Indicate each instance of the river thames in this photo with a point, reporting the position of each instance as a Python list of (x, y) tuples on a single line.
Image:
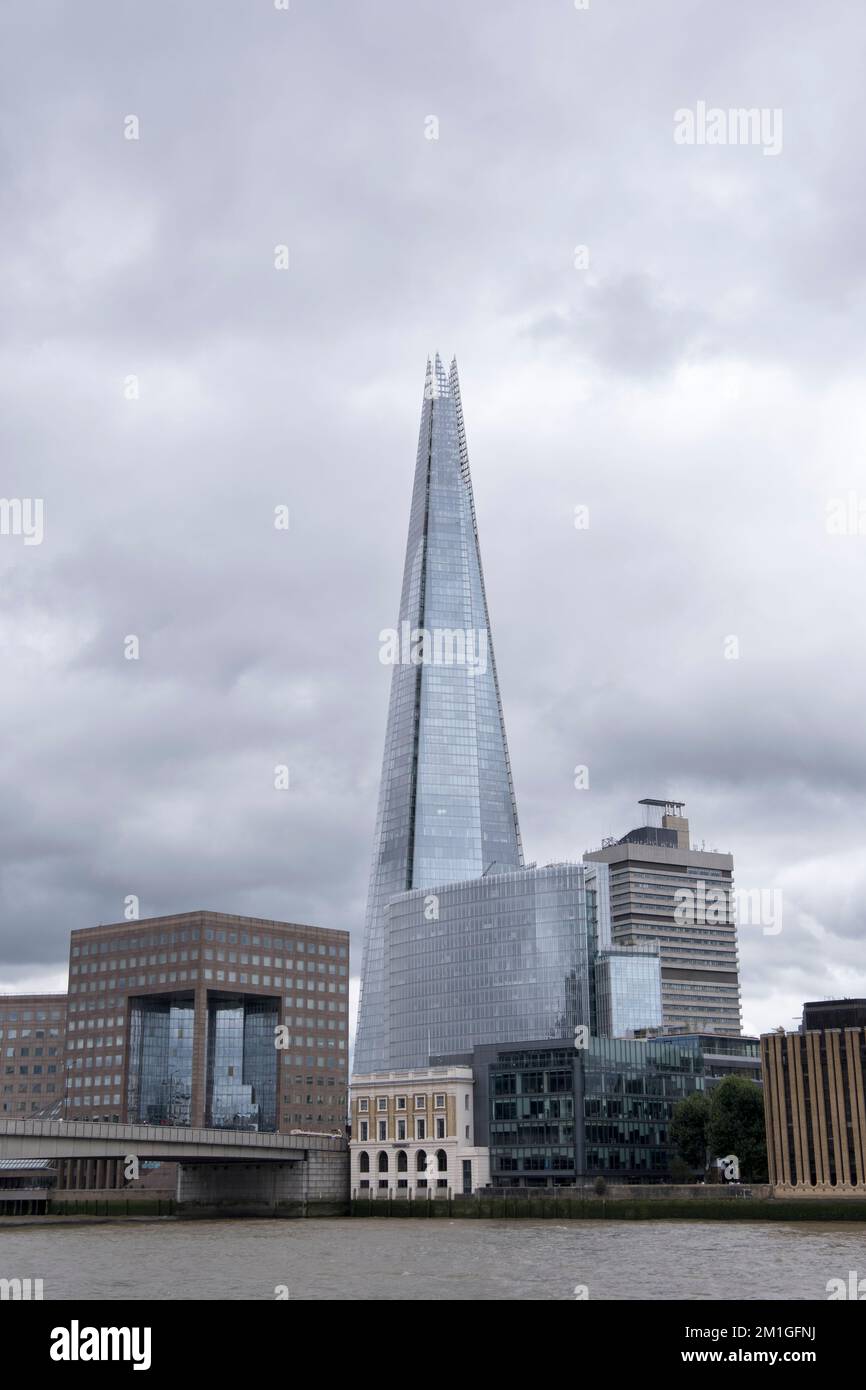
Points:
[(433, 1260)]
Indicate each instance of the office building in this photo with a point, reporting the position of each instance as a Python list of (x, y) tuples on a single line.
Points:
[(664, 893), (32, 1036), (174, 1020), (814, 1101), (491, 959), (737, 1055), (446, 803), (413, 1133), (554, 1116), (628, 990)]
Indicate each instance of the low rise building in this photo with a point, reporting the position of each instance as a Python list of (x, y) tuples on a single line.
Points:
[(413, 1133), (32, 1037), (814, 1101)]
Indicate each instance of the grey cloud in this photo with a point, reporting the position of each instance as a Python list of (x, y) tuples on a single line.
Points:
[(701, 393)]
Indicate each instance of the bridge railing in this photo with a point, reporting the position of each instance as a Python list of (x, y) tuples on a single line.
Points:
[(167, 1134)]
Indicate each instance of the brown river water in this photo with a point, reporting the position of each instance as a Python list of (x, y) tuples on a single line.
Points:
[(370, 1259)]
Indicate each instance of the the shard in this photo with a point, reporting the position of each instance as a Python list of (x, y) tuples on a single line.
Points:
[(446, 801)]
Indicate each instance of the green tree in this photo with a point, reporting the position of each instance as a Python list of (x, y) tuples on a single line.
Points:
[(689, 1125), (736, 1126)]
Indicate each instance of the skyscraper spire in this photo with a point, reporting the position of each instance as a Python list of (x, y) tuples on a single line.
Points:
[(446, 799)]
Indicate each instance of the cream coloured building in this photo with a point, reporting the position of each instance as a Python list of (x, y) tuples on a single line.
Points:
[(413, 1133)]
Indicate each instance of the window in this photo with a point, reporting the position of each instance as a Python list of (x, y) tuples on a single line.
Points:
[(364, 1131), (381, 1102), (420, 1128), (401, 1102), (440, 1126), (439, 1102), (420, 1102), (383, 1131), (401, 1130), (364, 1105)]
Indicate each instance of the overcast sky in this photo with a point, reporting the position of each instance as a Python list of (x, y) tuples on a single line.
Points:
[(698, 386)]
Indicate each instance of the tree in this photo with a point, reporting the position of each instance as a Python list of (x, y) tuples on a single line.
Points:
[(736, 1126), (680, 1170), (689, 1129)]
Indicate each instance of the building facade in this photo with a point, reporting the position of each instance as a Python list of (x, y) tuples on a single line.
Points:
[(554, 1116), (628, 990), (488, 960), (446, 802), (737, 1055), (413, 1134), (208, 1019), (664, 893), (814, 1101), (32, 1041)]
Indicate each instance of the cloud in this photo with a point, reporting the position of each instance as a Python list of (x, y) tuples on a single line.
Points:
[(699, 388)]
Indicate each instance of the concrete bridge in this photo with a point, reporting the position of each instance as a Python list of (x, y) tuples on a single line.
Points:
[(216, 1169)]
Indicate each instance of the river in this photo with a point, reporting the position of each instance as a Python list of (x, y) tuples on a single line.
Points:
[(413, 1260)]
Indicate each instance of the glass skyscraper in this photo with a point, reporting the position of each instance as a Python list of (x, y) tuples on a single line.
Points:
[(446, 801), (490, 960)]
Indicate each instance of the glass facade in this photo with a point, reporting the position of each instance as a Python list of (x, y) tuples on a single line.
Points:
[(241, 1087), (628, 1093), (491, 960), (628, 991), (446, 803), (563, 1115), (159, 1088)]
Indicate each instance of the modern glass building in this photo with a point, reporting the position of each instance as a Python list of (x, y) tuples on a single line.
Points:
[(628, 991), (488, 960), (446, 801), (241, 1063), (556, 1115), (159, 1077)]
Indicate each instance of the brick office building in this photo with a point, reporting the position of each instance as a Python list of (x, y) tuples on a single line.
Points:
[(32, 1031), (173, 1020)]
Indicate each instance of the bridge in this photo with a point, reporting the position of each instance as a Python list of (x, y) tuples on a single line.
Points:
[(216, 1167)]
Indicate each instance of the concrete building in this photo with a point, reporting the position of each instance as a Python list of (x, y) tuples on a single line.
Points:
[(413, 1133), (32, 1037), (814, 1101), (174, 1020), (665, 893)]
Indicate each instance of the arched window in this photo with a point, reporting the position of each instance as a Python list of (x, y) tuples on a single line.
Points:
[(442, 1161), (402, 1162), (421, 1161), (383, 1162), (364, 1162)]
